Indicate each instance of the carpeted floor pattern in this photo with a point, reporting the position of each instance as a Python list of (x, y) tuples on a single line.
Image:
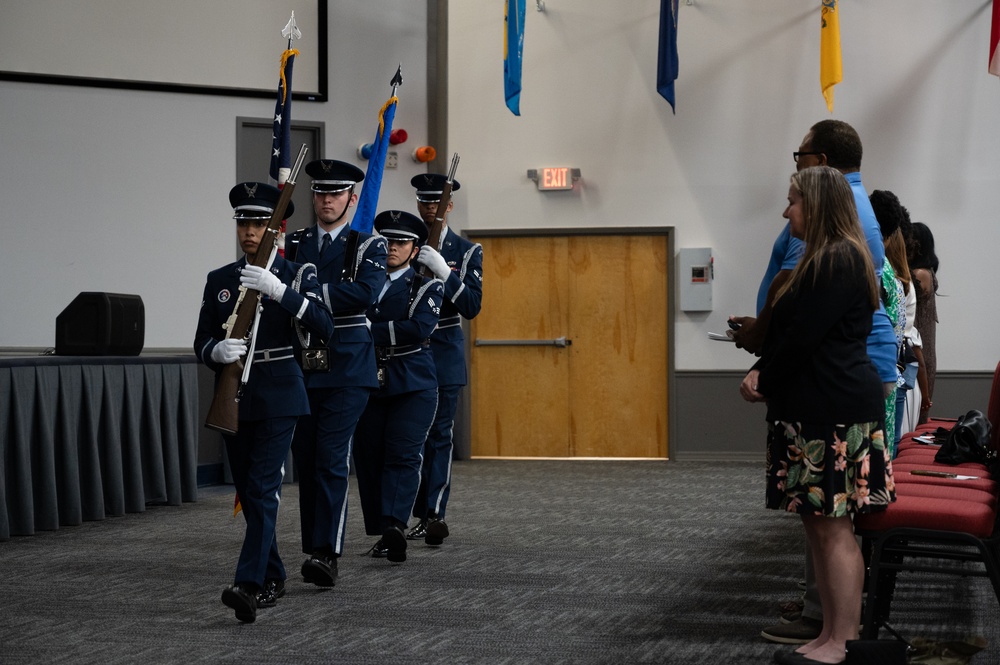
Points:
[(548, 562)]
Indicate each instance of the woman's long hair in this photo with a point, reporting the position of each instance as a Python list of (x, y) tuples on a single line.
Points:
[(832, 232), (895, 251)]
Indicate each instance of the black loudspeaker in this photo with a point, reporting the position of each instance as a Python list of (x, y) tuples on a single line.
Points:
[(101, 324)]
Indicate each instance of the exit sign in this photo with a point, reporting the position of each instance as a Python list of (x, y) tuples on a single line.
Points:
[(554, 177)]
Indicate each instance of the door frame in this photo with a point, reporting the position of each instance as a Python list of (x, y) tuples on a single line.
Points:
[(463, 420), (315, 133)]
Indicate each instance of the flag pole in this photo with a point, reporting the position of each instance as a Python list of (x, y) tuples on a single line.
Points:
[(278, 169)]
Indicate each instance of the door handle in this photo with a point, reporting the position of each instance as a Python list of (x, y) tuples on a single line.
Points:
[(561, 342)]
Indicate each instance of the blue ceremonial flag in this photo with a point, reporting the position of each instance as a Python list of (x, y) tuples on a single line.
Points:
[(513, 50), (281, 134), (364, 216), (666, 65)]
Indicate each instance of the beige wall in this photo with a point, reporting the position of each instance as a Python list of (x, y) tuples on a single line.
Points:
[(915, 86), (124, 191)]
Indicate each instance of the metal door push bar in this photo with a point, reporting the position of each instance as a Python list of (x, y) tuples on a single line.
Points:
[(561, 342)]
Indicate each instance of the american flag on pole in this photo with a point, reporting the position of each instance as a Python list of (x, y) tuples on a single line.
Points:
[(281, 134), (281, 140)]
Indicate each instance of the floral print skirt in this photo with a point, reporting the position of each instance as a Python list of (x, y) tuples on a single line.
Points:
[(831, 470)]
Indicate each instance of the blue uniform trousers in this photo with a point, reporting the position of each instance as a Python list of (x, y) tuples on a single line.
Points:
[(322, 453), (388, 455), (435, 481), (257, 455)]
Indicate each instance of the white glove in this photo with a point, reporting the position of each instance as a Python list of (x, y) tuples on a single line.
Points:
[(431, 258), (255, 277), (229, 351)]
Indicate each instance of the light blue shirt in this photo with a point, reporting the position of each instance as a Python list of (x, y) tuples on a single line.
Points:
[(882, 347), (785, 255)]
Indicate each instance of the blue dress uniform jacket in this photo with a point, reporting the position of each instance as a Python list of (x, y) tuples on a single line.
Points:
[(322, 445), (401, 330), (352, 358), (391, 432), (272, 400), (275, 387), (463, 297)]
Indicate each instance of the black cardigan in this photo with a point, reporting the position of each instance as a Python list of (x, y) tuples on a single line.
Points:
[(814, 366)]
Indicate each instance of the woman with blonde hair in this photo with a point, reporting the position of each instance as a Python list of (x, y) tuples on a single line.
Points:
[(826, 457)]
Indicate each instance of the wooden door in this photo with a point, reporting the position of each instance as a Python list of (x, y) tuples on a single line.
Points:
[(600, 393)]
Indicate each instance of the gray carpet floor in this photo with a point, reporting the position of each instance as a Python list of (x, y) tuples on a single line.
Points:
[(548, 562)]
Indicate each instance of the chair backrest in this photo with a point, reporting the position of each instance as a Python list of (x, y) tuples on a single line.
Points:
[(993, 409)]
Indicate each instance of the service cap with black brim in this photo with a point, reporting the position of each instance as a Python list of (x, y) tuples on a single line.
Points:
[(430, 186), (330, 176), (401, 225), (256, 200)]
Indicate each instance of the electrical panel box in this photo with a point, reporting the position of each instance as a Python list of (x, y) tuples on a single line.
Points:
[(695, 279)]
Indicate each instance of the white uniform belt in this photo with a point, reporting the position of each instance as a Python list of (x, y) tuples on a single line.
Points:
[(270, 355), (352, 321)]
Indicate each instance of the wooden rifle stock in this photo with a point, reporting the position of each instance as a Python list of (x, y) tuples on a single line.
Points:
[(223, 414), (437, 226)]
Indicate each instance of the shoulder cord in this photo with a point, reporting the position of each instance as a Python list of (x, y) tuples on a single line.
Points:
[(466, 259), (304, 337), (415, 299)]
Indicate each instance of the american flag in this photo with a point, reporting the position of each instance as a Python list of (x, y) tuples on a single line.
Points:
[(281, 135)]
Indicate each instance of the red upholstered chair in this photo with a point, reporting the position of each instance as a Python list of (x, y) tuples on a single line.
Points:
[(934, 522), (933, 513), (964, 494), (992, 414), (903, 477)]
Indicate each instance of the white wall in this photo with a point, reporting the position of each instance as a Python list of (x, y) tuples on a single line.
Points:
[(915, 87), (127, 191), (123, 191)]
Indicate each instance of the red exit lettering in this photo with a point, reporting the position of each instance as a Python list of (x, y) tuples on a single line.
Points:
[(555, 178)]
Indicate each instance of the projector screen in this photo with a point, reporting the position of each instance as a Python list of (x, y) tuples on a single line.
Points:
[(222, 47)]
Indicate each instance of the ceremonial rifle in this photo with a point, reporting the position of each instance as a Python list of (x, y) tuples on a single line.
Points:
[(437, 226), (223, 415)]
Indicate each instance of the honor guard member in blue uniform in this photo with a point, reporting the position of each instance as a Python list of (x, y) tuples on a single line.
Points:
[(340, 375), (274, 395), (459, 264), (390, 437)]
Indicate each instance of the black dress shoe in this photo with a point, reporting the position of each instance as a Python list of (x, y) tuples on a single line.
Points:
[(437, 531), (379, 550), (272, 591), (418, 532), (320, 569), (394, 541), (242, 600)]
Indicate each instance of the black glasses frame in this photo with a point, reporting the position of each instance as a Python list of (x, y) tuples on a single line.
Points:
[(799, 153)]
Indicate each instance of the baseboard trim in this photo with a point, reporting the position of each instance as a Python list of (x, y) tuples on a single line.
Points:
[(209, 474)]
